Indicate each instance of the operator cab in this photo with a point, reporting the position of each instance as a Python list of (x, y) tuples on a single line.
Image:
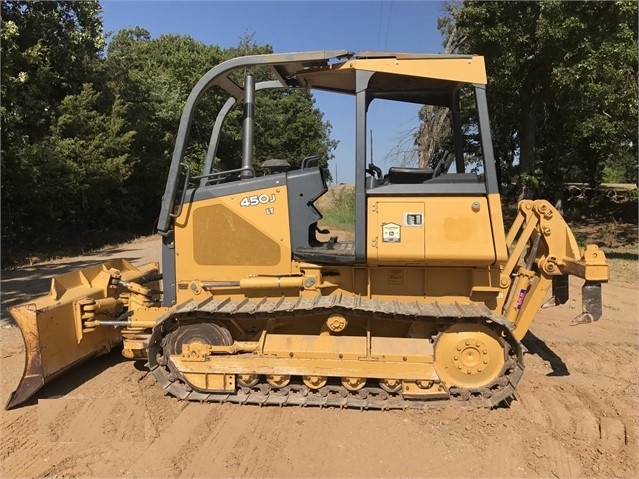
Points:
[(425, 208)]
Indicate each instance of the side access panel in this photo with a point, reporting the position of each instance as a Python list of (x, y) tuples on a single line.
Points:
[(233, 236), (450, 231)]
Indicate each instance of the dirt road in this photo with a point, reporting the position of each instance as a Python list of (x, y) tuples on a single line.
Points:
[(576, 414)]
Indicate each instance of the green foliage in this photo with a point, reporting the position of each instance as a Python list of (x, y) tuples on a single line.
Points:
[(92, 148), (88, 135), (562, 87), (153, 78), (76, 175), (287, 124), (300, 129), (49, 50)]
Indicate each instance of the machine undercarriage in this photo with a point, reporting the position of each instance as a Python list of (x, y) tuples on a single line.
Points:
[(336, 351)]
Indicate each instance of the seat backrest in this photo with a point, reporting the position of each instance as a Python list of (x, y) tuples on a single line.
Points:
[(400, 175)]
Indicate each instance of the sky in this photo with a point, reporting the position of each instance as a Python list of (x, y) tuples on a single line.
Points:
[(289, 26)]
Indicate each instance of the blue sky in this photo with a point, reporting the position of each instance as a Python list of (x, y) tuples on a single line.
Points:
[(305, 25)]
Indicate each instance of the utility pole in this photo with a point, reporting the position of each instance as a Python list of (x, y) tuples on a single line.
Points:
[(372, 162)]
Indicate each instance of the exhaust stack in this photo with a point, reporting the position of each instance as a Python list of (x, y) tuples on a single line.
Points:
[(247, 137)]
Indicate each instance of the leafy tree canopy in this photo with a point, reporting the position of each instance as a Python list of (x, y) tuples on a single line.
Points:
[(562, 86), (88, 131), (49, 51)]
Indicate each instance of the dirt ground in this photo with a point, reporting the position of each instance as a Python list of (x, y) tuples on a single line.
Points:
[(576, 413)]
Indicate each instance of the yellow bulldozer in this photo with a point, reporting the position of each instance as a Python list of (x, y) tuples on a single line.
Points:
[(426, 306)]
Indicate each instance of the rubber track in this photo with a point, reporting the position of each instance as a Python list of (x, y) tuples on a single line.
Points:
[(498, 392)]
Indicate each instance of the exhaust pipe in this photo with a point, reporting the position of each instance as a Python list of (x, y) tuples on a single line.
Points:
[(247, 138)]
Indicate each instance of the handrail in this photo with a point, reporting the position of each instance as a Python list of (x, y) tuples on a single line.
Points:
[(187, 178), (220, 173), (309, 159)]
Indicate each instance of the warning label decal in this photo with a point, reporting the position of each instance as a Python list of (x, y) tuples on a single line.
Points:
[(391, 233)]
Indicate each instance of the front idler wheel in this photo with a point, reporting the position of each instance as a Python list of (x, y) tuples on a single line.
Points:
[(469, 356)]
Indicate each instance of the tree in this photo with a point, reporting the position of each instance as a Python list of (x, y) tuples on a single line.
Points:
[(562, 87), (291, 128), (92, 151), (87, 138), (49, 50), (287, 124), (155, 76), (435, 129)]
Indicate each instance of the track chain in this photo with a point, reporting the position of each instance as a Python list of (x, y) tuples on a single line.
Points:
[(498, 392)]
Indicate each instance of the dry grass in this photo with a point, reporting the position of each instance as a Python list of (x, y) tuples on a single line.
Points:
[(338, 207), (624, 264)]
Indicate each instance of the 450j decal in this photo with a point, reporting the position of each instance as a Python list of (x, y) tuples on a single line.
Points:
[(255, 200)]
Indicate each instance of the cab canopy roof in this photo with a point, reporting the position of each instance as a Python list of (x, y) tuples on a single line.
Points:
[(412, 77)]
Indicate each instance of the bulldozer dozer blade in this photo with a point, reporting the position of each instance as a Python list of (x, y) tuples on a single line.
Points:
[(54, 337)]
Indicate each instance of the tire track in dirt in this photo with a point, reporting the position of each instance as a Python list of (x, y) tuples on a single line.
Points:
[(227, 436), (576, 416), (100, 418), (20, 432), (554, 427), (158, 457), (249, 457), (577, 432), (160, 409)]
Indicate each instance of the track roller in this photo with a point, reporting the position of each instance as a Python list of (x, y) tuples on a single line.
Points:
[(278, 380), (390, 385), (353, 384), (315, 382), (248, 380)]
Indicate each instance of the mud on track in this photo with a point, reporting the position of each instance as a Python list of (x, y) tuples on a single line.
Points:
[(575, 414)]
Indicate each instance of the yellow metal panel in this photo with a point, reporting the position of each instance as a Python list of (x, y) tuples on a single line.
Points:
[(341, 77), (402, 349), (249, 234), (244, 244), (391, 236), (256, 364), (456, 231), (349, 347), (211, 382), (467, 70), (397, 282)]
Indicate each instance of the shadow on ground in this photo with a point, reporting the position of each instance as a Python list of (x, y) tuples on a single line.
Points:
[(541, 349), (77, 376)]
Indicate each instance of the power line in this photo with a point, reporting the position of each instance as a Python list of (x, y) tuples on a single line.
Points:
[(390, 12), (379, 29)]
